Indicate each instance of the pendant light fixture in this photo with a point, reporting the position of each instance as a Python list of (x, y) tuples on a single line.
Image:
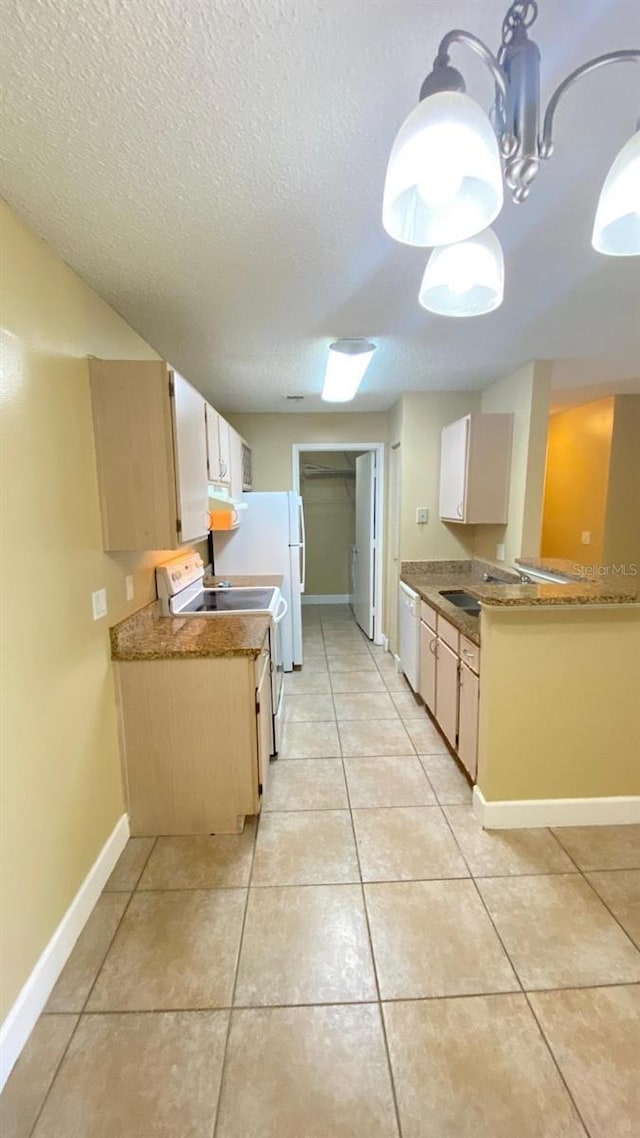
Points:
[(444, 181), (465, 279), (348, 360)]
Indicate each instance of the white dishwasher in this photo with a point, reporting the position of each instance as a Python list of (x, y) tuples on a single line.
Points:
[(409, 604)]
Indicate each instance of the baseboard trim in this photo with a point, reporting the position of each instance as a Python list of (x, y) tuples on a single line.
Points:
[(326, 599), (34, 994), (529, 813)]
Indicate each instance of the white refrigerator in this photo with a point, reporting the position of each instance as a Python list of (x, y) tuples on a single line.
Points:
[(269, 541)]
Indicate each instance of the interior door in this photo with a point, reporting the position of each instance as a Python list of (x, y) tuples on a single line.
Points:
[(365, 550)]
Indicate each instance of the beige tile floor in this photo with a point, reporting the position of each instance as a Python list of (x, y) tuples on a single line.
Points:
[(365, 962)]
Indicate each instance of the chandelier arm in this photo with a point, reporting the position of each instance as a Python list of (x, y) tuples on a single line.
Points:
[(545, 148), (480, 48)]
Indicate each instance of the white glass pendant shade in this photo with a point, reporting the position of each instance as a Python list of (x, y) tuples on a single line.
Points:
[(465, 279), (616, 229), (444, 178), (348, 360)]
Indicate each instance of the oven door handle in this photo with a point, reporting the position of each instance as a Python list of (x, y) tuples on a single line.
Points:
[(281, 612)]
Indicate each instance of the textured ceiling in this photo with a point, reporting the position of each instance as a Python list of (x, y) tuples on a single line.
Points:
[(214, 168)]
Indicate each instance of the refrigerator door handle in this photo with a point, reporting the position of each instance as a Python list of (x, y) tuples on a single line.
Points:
[(304, 552)]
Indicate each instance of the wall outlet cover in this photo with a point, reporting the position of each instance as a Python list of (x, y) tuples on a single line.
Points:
[(500, 552), (585, 537), (99, 603), (128, 586), (422, 515)]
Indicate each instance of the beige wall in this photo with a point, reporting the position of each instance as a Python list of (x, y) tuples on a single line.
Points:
[(61, 788), (525, 393), (622, 530), (330, 522), (577, 481), (561, 722), (271, 437)]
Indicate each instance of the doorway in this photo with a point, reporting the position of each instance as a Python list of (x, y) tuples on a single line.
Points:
[(342, 488)]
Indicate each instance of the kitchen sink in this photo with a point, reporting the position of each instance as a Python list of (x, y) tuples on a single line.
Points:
[(462, 600)]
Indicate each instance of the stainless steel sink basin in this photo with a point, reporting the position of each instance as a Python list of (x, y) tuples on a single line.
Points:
[(462, 600)]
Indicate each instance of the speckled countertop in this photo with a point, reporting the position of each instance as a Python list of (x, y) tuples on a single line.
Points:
[(147, 635), (428, 578)]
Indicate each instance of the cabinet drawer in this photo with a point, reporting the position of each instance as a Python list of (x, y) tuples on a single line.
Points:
[(428, 615), (470, 654), (449, 633)]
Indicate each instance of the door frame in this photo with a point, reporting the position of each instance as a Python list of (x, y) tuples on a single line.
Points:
[(379, 546)]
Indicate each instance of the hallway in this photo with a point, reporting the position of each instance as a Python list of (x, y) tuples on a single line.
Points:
[(366, 962)]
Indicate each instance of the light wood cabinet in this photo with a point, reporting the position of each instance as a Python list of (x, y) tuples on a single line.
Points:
[(447, 690), (217, 447), (151, 452), (469, 697), (428, 641), (475, 469), (196, 737)]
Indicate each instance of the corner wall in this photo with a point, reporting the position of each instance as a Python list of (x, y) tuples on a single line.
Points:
[(61, 784)]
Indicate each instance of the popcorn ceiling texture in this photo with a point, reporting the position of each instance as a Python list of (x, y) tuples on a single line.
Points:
[(214, 168)]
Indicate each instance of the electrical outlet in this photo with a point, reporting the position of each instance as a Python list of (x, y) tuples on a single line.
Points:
[(422, 516), (128, 586), (500, 552), (585, 537), (99, 603)]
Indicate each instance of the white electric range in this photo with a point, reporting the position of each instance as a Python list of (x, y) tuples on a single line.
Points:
[(182, 593)]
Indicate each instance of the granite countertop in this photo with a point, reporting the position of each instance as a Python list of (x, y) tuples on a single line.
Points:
[(428, 578), (147, 635)]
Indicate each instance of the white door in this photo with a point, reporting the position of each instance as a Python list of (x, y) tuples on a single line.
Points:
[(365, 551), (190, 440), (453, 470)]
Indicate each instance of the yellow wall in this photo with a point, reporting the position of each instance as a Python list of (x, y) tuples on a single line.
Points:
[(525, 394), (61, 788), (575, 497), (559, 709), (330, 522)]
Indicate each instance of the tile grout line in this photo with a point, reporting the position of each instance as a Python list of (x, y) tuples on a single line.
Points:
[(583, 873), (223, 1067), (370, 939), (82, 1011)]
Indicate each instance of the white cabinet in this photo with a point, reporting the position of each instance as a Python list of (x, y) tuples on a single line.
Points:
[(469, 696), (428, 641), (447, 691), (191, 459), (475, 469), (217, 447), (235, 464)]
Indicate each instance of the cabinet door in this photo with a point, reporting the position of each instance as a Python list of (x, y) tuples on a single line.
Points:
[(224, 432), (453, 470), (264, 724), (213, 444), (235, 464), (468, 720), (447, 691), (428, 641), (190, 441)]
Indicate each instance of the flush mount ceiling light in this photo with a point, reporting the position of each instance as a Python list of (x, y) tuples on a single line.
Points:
[(449, 161), (465, 279), (348, 360)]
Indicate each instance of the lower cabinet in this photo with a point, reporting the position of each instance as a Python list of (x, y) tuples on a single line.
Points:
[(447, 691), (428, 641), (196, 737), (469, 692)]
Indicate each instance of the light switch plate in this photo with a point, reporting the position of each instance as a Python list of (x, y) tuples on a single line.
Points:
[(422, 516), (99, 603), (585, 537), (128, 586)]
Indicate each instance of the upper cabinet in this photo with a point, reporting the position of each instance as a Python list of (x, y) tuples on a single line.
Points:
[(149, 427), (218, 431), (475, 467)]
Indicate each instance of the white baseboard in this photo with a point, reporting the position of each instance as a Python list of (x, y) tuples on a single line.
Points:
[(528, 813), (326, 599), (22, 1018)]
